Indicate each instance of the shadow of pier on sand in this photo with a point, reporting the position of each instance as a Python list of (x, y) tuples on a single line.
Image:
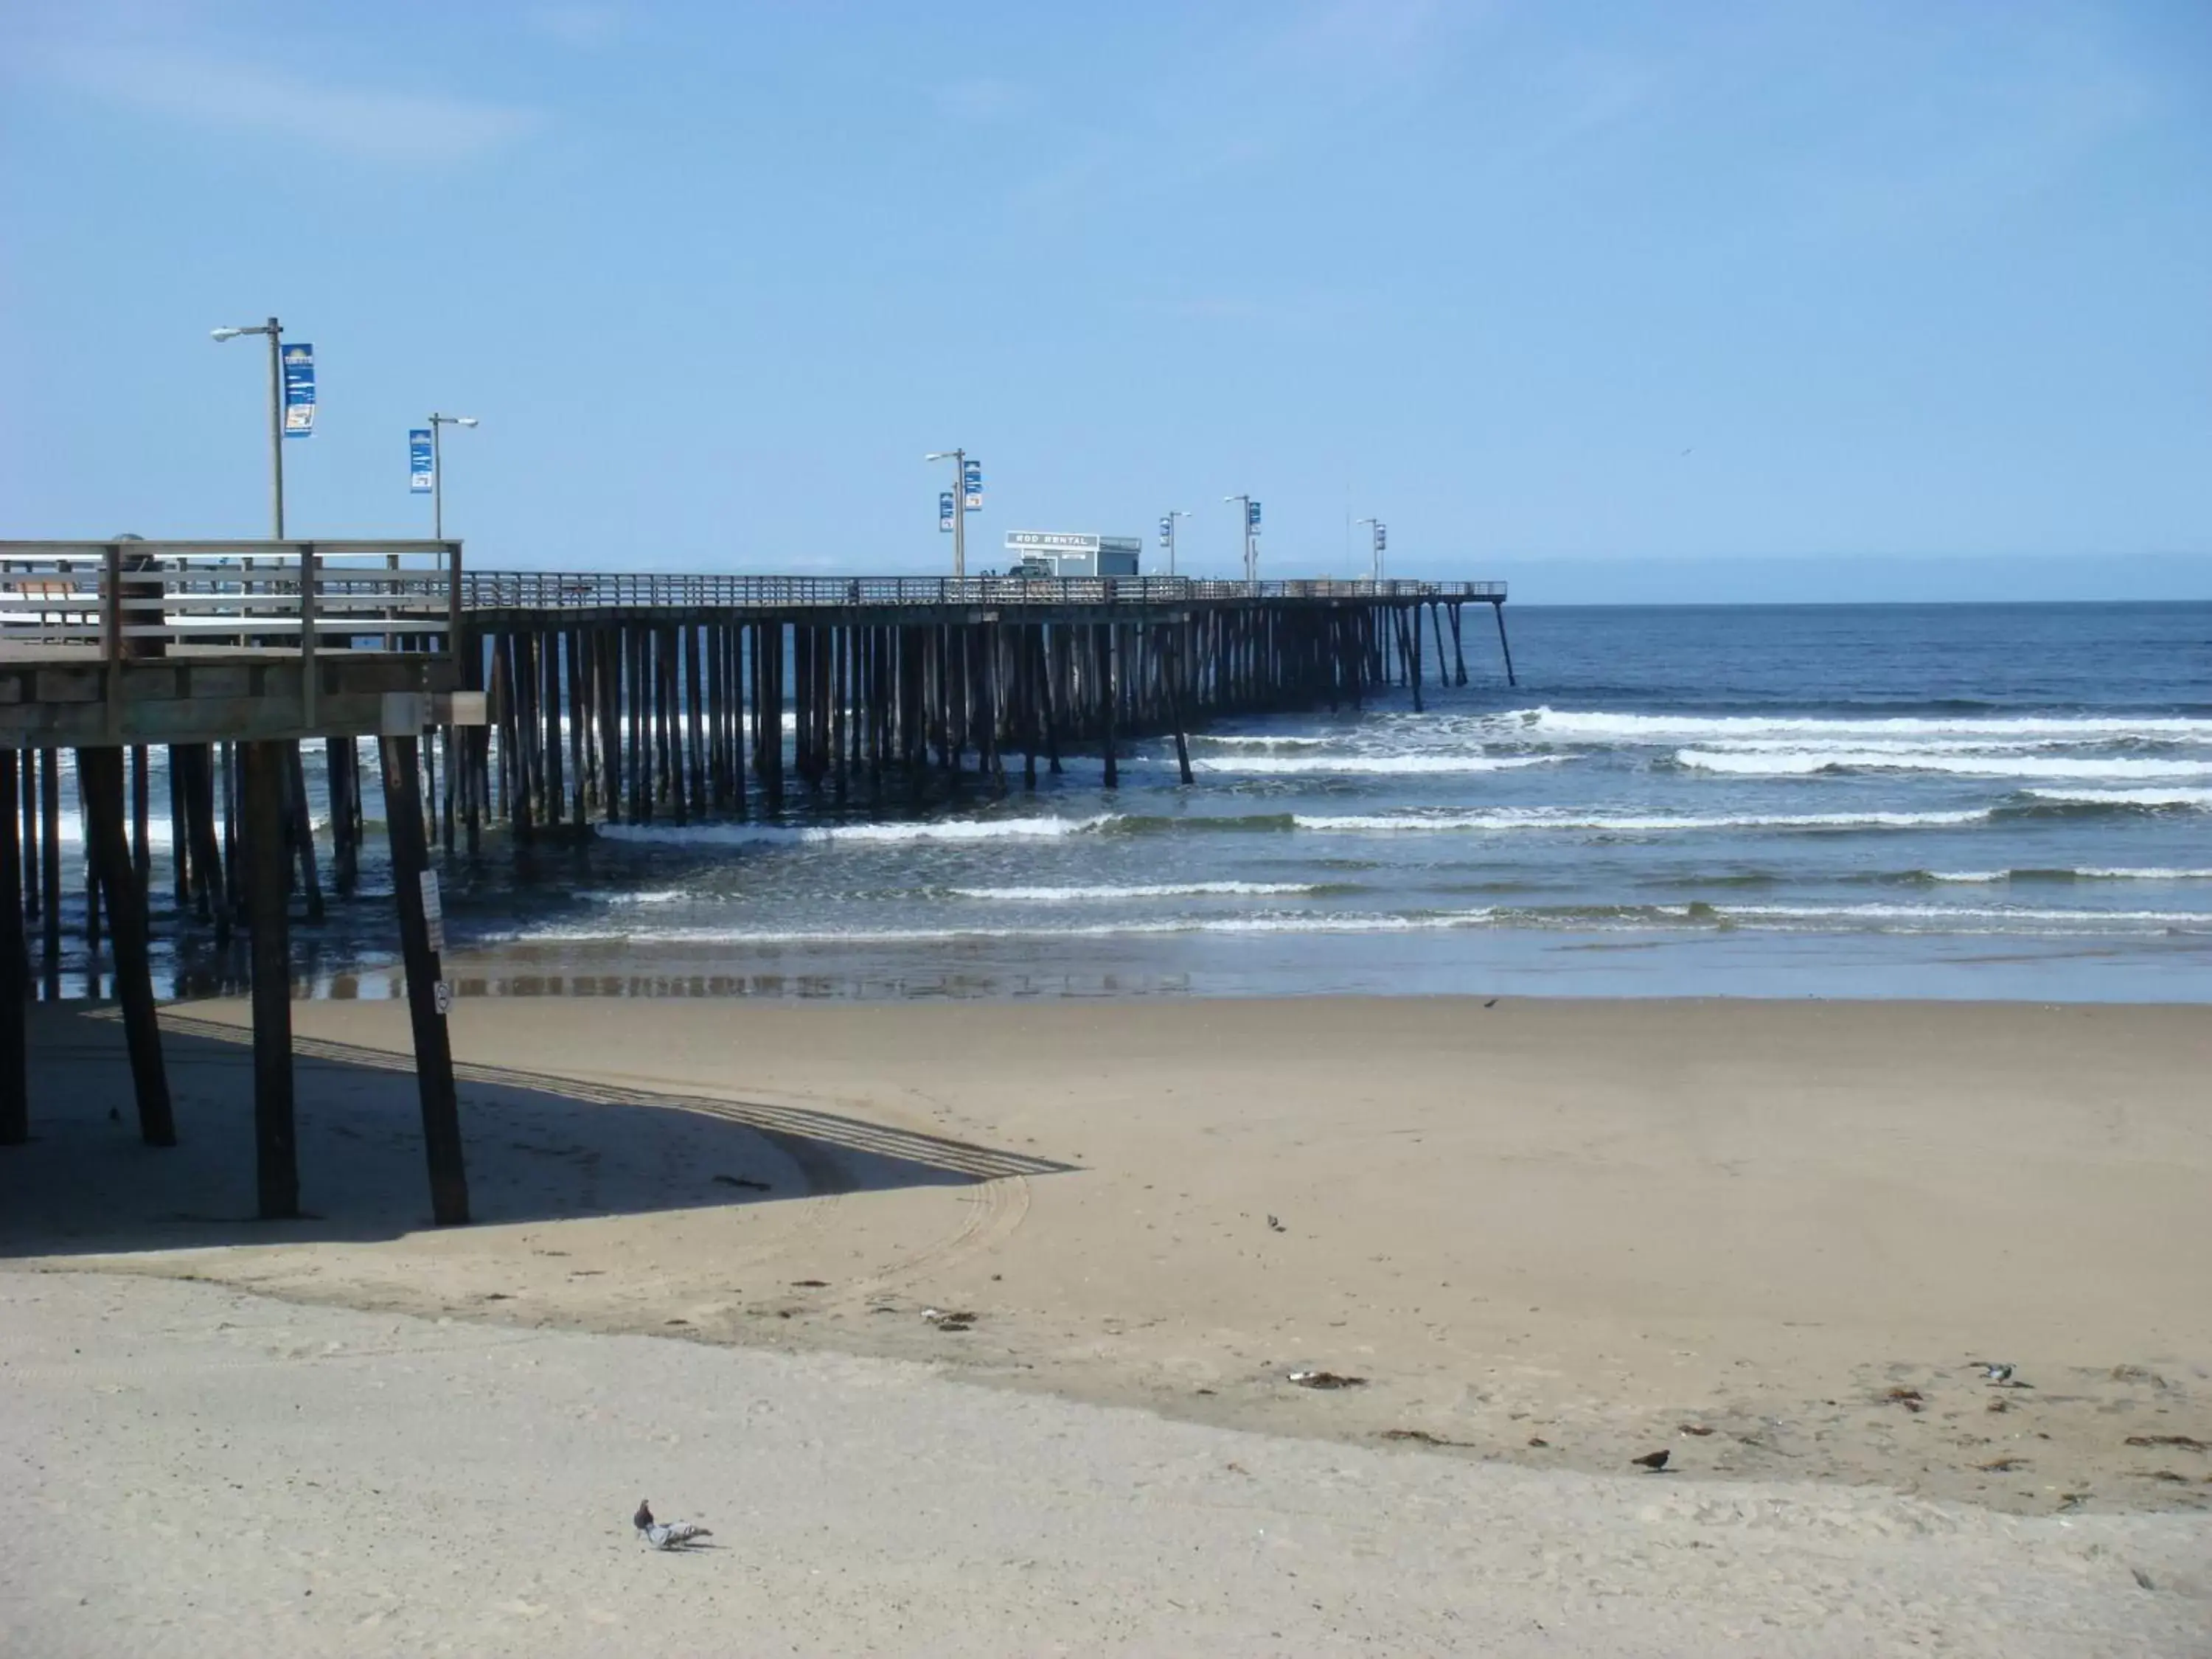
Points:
[(540, 1147)]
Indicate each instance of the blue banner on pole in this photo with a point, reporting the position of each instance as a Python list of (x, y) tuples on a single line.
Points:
[(1252, 515), (1382, 537), (944, 509), (1167, 531), (419, 475), (299, 361), (971, 485)]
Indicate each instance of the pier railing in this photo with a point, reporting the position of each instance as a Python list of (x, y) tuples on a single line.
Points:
[(542, 590), (140, 599)]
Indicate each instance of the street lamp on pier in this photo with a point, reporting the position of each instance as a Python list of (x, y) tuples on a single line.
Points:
[(1381, 540), (967, 497), (1168, 533), (275, 331), (437, 424), (1251, 507)]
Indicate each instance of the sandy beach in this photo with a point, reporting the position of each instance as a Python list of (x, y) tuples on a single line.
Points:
[(1549, 1236)]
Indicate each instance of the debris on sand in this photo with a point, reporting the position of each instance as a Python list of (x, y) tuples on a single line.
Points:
[(1326, 1380), (1422, 1437), (2186, 1442), (1700, 1429), (1908, 1398), (947, 1319)]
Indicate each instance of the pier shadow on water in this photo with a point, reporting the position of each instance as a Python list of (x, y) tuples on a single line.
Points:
[(540, 1147)]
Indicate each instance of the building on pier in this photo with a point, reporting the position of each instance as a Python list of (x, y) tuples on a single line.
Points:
[(1058, 553)]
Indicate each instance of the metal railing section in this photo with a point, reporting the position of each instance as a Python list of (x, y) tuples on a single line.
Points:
[(541, 590)]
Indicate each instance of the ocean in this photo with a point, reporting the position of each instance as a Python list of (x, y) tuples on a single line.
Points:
[(1968, 801)]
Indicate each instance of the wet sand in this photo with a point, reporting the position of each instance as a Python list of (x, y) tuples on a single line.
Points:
[(1771, 1238)]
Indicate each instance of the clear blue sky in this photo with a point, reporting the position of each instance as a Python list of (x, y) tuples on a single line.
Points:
[(1560, 290)]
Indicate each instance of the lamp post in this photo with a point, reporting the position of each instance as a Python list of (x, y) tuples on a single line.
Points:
[(1381, 540), (1251, 509), (437, 424), (962, 496), (1168, 533), (275, 331)]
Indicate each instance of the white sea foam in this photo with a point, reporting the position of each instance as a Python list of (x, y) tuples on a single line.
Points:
[(1376, 765), (745, 835), (1165, 889), (1231, 740), (2091, 873), (1959, 913), (1293, 922), (2145, 875), (1627, 824), (1607, 727), (2200, 799), (1804, 762)]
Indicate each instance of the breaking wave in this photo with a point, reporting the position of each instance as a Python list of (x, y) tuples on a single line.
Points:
[(1802, 762)]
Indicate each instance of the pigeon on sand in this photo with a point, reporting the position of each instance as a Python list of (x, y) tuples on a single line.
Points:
[(664, 1534)]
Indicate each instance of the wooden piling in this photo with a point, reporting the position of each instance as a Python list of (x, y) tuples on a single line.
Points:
[(91, 851), (299, 830), (341, 784), (50, 848), (15, 968), (142, 819), (266, 852), (433, 1055), (192, 776), (30, 818), (108, 850)]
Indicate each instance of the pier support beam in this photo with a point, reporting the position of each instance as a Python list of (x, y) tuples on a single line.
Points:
[(434, 1053), (50, 848), (300, 828), (14, 970), (1498, 611), (100, 772), (266, 851)]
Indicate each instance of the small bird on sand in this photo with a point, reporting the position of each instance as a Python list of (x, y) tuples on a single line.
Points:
[(664, 1534), (1273, 1225), (1996, 1372), (1654, 1461)]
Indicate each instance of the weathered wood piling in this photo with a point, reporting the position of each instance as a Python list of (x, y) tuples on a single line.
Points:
[(669, 699)]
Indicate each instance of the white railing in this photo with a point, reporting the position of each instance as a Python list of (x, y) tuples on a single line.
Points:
[(139, 599)]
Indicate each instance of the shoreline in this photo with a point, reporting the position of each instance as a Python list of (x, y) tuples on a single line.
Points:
[(1603, 1226)]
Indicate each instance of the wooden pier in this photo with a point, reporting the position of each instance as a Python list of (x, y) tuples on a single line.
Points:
[(628, 698), (542, 702)]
